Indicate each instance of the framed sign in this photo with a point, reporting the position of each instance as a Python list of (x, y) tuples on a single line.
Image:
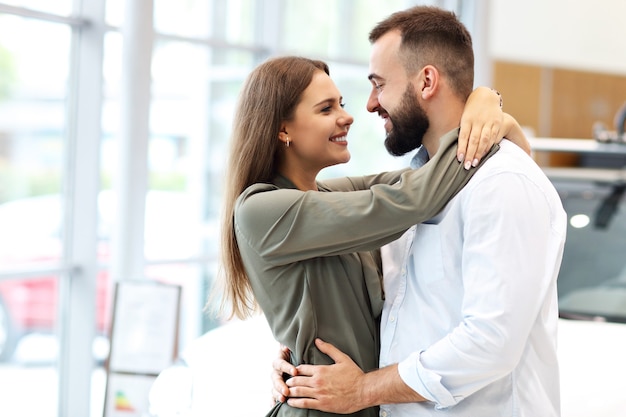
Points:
[(144, 341), (127, 395)]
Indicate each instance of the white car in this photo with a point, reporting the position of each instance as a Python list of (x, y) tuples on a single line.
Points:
[(226, 371)]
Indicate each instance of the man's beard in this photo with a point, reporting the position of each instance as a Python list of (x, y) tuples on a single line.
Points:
[(409, 124)]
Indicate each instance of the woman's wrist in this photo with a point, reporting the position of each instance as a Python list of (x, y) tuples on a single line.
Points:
[(499, 96)]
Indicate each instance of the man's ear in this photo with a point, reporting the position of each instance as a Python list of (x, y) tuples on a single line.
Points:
[(428, 81)]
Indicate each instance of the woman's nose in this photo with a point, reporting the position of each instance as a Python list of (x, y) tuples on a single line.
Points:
[(346, 119)]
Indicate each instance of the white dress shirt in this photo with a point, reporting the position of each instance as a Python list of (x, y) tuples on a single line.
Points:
[(471, 307)]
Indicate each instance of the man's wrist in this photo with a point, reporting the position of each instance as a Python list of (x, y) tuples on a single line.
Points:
[(385, 386), (368, 390)]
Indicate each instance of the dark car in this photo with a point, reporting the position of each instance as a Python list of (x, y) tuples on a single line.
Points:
[(592, 280)]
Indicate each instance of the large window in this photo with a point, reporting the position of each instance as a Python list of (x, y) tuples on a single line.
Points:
[(33, 146), (112, 162)]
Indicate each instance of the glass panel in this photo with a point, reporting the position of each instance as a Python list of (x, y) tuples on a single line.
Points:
[(104, 305), (32, 145), (321, 18), (112, 75), (27, 307), (98, 390), (31, 232), (114, 12), (237, 21), (28, 346), (194, 93), (231, 20), (592, 279), (60, 7), (333, 28)]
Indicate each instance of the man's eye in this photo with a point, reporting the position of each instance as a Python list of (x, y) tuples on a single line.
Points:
[(342, 105), (378, 87)]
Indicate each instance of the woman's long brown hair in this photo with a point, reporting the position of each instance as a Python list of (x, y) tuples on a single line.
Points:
[(269, 96)]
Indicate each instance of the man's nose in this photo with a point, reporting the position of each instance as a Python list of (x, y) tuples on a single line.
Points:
[(372, 102)]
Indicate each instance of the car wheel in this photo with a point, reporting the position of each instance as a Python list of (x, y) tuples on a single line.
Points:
[(8, 335)]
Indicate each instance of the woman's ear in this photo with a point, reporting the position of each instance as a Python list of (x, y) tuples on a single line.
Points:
[(283, 136)]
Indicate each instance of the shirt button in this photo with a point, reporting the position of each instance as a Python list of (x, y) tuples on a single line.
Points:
[(392, 318), (383, 414)]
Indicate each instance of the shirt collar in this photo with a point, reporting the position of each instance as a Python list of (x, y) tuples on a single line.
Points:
[(420, 157)]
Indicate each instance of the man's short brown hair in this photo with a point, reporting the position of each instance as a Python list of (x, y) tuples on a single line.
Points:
[(433, 36)]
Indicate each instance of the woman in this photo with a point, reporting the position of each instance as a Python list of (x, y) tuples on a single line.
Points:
[(308, 256)]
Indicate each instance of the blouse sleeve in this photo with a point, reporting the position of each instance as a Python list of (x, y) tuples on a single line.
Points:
[(287, 225), (360, 183)]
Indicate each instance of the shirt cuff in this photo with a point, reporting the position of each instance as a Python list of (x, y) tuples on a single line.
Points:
[(425, 382)]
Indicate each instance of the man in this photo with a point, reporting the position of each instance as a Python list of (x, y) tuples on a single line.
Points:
[(470, 315)]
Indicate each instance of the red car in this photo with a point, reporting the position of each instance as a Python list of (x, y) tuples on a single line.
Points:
[(30, 240)]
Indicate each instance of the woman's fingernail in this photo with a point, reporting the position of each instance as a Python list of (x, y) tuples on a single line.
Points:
[(468, 165), (475, 162), (460, 157)]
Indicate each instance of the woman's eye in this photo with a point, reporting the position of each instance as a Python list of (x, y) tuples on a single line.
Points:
[(332, 107), (378, 87)]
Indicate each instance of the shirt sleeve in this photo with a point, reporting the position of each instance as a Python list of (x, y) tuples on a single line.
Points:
[(507, 267), (287, 225)]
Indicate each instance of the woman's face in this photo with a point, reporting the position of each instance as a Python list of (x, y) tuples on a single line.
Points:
[(318, 131)]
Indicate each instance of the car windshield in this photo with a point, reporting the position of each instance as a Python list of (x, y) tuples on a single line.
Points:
[(592, 279)]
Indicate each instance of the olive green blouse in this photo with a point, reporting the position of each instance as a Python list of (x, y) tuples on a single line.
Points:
[(312, 256)]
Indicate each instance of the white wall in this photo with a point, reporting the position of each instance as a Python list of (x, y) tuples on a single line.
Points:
[(587, 35)]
